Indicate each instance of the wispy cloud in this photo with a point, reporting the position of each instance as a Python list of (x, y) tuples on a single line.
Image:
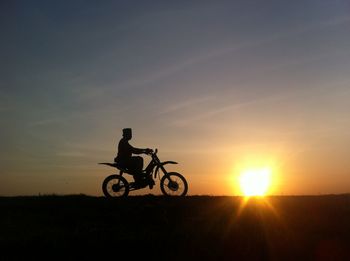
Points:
[(47, 121), (4, 108), (223, 109), (186, 104), (234, 47), (70, 154), (336, 20)]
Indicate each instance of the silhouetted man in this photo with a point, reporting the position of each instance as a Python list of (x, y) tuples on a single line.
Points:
[(134, 164)]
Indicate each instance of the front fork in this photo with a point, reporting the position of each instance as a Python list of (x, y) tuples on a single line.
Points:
[(171, 182), (161, 167), (120, 174)]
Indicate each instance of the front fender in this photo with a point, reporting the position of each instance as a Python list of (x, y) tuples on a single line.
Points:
[(168, 162), (162, 164)]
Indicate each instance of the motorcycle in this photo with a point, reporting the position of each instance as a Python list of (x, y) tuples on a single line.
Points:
[(171, 183)]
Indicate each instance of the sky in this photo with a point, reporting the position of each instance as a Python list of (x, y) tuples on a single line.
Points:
[(218, 86)]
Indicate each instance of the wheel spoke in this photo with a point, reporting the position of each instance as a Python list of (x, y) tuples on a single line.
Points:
[(174, 184), (115, 186)]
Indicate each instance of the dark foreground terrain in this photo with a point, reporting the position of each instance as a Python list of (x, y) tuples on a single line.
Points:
[(190, 228)]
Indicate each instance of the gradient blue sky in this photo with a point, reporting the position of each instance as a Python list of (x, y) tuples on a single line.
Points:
[(216, 85)]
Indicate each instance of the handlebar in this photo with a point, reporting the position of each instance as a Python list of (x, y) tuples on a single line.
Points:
[(153, 152)]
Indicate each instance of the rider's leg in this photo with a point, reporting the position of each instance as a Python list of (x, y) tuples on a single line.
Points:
[(137, 166)]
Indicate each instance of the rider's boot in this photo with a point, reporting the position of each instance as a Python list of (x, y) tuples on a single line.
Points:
[(150, 181), (151, 184)]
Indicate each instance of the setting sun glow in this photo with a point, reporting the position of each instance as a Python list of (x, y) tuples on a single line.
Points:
[(255, 182)]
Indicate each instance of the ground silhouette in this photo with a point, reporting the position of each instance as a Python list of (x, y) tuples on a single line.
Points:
[(175, 228)]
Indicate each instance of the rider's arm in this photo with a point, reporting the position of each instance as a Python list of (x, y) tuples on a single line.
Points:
[(138, 150)]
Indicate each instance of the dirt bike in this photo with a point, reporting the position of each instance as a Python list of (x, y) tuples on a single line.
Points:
[(171, 183)]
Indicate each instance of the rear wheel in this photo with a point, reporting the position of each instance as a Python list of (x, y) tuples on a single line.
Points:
[(173, 184), (115, 186)]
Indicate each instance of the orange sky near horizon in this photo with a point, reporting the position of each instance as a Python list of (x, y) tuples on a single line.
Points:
[(218, 86)]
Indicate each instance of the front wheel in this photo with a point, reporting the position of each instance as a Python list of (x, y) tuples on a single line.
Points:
[(173, 184), (115, 186)]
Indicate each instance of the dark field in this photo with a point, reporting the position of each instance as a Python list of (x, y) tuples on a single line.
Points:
[(190, 228)]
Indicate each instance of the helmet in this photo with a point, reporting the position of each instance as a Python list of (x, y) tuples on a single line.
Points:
[(127, 132)]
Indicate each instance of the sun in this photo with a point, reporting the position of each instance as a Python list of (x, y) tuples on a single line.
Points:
[(255, 182)]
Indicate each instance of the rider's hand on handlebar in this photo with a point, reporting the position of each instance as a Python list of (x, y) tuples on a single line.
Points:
[(148, 151)]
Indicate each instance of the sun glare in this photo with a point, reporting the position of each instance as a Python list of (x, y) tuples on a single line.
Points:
[(255, 182)]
